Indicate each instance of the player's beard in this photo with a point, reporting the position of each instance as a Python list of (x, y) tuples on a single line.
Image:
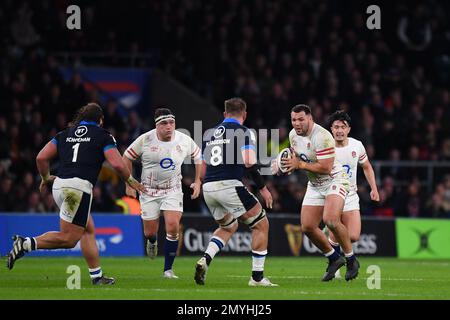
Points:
[(302, 130)]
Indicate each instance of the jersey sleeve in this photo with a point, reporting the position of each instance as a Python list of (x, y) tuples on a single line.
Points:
[(56, 140), (134, 151), (249, 140), (109, 142), (362, 154), (195, 151), (324, 146)]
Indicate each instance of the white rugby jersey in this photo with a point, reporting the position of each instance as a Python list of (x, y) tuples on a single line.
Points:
[(162, 160), (318, 145), (350, 156)]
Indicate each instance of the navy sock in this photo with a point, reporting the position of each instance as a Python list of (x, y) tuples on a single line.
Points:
[(152, 239), (170, 251), (337, 248), (350, 259), (257, 275), (334, 256), (208, 258)]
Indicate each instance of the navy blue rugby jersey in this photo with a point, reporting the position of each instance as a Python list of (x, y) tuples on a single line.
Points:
[(81, 151), (222, 150)]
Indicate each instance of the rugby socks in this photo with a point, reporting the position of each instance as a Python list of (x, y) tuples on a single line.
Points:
[(95, 273), (335, 246), (350, 257), (332, 255), (170, 251), (152, 239), (215, 245), (30, 244), (258, 259)]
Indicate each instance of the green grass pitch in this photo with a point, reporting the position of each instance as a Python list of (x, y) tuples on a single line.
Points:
[(299, 279)]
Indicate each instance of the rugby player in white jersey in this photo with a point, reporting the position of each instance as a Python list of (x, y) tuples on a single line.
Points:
[(351, 153), (327, 189), (161, 152)]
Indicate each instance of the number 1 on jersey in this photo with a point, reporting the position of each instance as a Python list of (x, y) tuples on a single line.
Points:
[(75, 152)]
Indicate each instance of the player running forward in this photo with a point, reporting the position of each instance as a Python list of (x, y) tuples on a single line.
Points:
[(326, 192), (81, 150), (161, 152), (351, 152), (230, 152)]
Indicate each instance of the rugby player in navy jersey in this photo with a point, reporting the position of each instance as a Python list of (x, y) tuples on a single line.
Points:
[(229, 154), (81, 150)]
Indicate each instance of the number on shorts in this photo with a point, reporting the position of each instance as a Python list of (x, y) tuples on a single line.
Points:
[(216, 156)]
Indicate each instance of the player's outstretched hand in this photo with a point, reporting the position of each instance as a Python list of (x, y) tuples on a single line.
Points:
[(267, 196), (374, 195), (196, 186), (45, 182)]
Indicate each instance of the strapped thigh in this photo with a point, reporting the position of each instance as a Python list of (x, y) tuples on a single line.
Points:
[(253, 221)]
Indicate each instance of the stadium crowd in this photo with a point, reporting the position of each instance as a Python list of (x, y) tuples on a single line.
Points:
[(393, 82)]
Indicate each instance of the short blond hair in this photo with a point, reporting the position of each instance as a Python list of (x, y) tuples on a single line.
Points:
[(235, 106)]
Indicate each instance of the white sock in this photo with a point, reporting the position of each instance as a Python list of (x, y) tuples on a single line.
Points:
[(96, 272), (258, 259), (348, 255), (334, 244), (27, 246), (329, 253), (215, 245)]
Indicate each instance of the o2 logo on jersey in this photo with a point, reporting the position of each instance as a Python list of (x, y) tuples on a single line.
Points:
[(304, 158), (81, 131), (219, 132), (347, 170), (167, 163)]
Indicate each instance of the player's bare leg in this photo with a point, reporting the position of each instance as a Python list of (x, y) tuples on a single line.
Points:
[(151, 234), (257, 221), (172, 224), (91, 255), (332, 218), (310, 220), (227, 227), (66, 238), (352, 221), (89, 246)]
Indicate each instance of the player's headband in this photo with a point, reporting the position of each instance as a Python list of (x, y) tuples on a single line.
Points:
[(164, 117)]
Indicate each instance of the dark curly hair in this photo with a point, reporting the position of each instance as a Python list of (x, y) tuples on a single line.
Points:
[(90, 112), (339, 115)]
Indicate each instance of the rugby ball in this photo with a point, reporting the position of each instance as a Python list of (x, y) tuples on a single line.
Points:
[(286, 153)]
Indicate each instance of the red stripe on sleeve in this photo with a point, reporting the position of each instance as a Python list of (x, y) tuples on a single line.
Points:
[(132, 153), (324, 150)]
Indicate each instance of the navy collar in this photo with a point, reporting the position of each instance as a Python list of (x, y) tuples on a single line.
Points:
[(233, 120), (92, 123)]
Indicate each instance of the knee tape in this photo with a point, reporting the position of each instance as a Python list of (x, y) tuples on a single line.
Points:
[(253, 221), (229, 223)]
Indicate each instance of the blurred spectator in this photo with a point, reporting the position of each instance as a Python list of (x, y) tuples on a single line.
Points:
[(273, 54), (410, 203), (35, 204)]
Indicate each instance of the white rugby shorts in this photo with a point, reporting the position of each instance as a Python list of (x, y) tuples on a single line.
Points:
[(228, 196), (74, 198)]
